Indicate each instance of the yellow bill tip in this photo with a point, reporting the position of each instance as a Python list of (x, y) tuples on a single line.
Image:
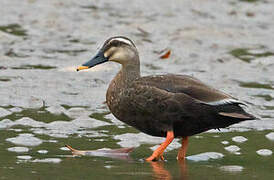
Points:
[(81, 68)]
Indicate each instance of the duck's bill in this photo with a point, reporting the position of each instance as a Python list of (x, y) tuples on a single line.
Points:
[(98, 59)]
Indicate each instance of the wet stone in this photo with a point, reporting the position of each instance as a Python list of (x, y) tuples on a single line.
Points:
[(4, 112), (205, 156), (239, 139), (18, 149), (25, 139), (264, 152)]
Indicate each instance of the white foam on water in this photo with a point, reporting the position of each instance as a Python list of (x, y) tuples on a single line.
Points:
[(47, 160), (126, 140), (77, 112), (56, 109), (114, 120), (239, 139), (264, 152), (205, 156), (6, 123), (16, 109), (232, 168), (259, 125), (170, 147), (4, 112), (108, 166), (225, 142), (64, 148), (24, 157), (18, 149), (270, 136), (42, 151), (26, 121), (25, 139), (232, 148), (89, 122)]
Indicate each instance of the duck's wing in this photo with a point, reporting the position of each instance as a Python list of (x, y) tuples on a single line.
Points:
[(193, 89), (190, 86)]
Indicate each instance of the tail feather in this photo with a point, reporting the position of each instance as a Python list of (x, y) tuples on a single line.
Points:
[(242, 116)]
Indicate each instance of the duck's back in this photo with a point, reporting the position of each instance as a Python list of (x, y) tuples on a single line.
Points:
[(156, 104)]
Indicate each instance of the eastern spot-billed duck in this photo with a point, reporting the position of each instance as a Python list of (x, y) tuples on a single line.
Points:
[(169, 105)]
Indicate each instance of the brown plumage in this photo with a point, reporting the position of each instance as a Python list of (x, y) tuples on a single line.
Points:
[(163, 105)]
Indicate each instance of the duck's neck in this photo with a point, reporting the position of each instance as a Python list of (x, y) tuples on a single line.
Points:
[(129, 73)]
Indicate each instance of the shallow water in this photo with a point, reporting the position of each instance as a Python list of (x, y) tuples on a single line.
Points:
[(45, 103)]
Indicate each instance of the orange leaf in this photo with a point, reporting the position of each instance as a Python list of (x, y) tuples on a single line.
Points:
[(166, 54)]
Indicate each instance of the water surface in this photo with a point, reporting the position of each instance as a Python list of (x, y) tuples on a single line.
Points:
[(45, 103)]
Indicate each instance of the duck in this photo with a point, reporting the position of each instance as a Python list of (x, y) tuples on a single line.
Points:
[(168, 105)]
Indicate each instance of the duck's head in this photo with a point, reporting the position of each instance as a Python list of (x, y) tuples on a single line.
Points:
[(118, 49)]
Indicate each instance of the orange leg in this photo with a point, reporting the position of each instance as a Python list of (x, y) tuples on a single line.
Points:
[(158, 153), (182, 151)]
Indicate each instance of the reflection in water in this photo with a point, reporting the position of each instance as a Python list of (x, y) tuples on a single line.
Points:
[(162, 174), (159, 171)]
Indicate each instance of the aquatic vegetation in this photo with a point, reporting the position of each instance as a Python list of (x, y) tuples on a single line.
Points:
[(39, 66), (256, 85), (246, 56), (250, 1), (14, 29)]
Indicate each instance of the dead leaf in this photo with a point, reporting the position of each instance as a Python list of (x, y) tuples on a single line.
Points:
[(166, 54)]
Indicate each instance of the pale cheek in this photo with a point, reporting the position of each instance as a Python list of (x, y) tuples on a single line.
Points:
[(118, 56)]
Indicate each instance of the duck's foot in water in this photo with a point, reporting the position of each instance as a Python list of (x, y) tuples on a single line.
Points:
[(158, 153)]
